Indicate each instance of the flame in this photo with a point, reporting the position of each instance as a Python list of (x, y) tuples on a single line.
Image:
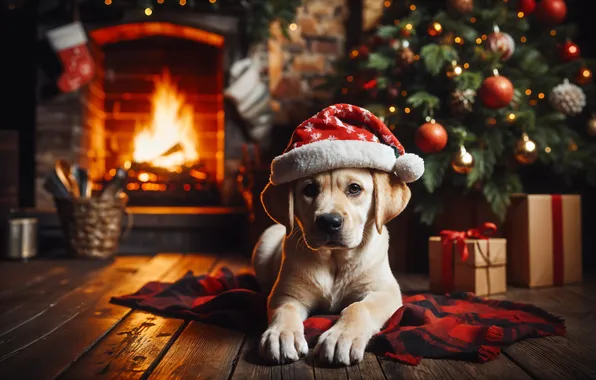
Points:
[(171, 125)]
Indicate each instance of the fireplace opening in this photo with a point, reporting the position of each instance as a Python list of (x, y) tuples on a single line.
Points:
[(156, 108)]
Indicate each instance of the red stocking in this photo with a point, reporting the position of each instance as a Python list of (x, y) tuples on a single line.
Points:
[(70, 43)]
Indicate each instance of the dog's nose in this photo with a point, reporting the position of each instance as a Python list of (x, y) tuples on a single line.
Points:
[(329, 223)]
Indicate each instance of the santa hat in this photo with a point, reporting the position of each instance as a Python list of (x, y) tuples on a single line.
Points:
[(344, 136)]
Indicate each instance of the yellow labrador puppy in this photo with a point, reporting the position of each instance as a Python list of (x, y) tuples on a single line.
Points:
[(341, 179), (333, 260)]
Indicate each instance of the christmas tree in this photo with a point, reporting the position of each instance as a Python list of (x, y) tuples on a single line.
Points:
[(481, 89)]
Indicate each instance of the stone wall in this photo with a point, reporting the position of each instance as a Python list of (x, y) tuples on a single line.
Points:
[(298, 64)]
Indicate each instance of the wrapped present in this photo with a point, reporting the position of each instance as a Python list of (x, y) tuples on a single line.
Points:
[(470, 261), (544, 240)]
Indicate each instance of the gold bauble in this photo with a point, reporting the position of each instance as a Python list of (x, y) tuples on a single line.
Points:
[(462, 161), (591, 127), (526, 150)]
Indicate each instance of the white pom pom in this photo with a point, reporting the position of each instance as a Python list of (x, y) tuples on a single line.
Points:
[(409, 167)]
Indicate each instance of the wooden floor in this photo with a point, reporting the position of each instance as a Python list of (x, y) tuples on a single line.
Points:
[(56, 322)]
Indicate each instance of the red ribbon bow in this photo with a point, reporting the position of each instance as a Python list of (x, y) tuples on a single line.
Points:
[(449, 238)]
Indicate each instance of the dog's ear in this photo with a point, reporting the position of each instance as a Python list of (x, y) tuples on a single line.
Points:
[(278, 202), (391, 198)]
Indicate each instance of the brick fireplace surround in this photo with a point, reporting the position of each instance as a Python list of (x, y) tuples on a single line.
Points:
[(95, 125)]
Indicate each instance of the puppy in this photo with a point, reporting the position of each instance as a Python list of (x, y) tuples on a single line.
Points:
[(328, 254)]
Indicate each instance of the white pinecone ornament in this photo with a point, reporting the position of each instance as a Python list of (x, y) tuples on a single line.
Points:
[(568, 98)]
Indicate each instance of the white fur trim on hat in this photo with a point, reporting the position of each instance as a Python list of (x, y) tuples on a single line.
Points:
[(409, 167), (326, 155)]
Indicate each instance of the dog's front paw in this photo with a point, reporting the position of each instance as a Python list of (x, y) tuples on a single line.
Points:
[(342, 345), (280, 345)]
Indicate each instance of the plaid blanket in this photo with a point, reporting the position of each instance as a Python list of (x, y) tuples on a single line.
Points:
[(452, 326)]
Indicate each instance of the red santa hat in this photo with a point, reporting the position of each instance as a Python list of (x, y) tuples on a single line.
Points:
[(344, 136)]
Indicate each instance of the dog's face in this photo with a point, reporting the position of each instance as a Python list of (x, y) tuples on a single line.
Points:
[(336, 209)]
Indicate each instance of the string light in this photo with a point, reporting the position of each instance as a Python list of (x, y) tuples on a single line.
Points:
[(528, 92), (404, 93), (553, 32), (412, 7), (293, 25), (547, 149), (407, 110), (350, 78), (523, 40), (148, 11), (182, 2), (409, 26), (354, 53), (478, 40), (108, 2), (533, 102), (344, 90), (484, 37), (466, 65), (458, 40), (520, 14), (541, 95), (387, 4), (435, 29), (212, 1), (159, 1), (473, 20), (392, 109), (511, 117)]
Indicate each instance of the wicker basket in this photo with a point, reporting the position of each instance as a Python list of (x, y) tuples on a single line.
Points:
[(92, 227)]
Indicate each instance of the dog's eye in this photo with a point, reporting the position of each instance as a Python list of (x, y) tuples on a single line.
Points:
[(311, 190), (354, 189)]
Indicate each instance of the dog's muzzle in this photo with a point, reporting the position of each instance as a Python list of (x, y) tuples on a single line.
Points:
[(329, 223)]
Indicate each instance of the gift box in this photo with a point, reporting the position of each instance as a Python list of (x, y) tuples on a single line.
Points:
[(544, 240), (469, 261)]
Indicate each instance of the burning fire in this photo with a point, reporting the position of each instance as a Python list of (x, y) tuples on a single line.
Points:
[(169, 140)]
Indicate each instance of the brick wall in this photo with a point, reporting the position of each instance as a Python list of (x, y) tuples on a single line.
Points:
[(298, 64)]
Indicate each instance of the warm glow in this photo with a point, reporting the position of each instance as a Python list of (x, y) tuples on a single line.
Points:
[(392, 109), (572, 49), (407, 110), (473, 20), (354, 53), (511, 117), (478, 40), (409, 26), (159, 1), (387, 4), (458, 40), (404, 93), (541, 95), (466, 65), (169, 140), (148, 11), (108, 2), (457, 70), (293, 26), (553, 32), (523, 39), (412, 7), (528, 92), (586, 73), (520, 14), (350, 78), (182, 2), (547, 149)]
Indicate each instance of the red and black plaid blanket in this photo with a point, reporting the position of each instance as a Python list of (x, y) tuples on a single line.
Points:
[(454, 326)]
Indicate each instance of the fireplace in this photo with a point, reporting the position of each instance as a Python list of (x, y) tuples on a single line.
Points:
[(154, 107), (157, 109)]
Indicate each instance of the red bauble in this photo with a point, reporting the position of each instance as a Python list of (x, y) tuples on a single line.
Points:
[(526, 6), (431, 137), (363, 51), (496, 92), (569, 51), (551, 12)]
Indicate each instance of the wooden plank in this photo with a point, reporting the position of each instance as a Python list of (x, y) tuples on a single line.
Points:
[(24, 307), (85, 317), (201, 352), (209, 351), (558, 357), (498, 369), (140, 340), (33, 329), (324, 372), (251, 366), (368, 369), (16, 278)]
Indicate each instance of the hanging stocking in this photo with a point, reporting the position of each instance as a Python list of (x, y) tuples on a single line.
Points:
[(70, 43)]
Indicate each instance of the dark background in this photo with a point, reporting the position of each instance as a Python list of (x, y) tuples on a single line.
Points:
[(19, 57)]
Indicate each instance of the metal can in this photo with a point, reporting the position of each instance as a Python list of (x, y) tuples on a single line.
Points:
[(21, 238)]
